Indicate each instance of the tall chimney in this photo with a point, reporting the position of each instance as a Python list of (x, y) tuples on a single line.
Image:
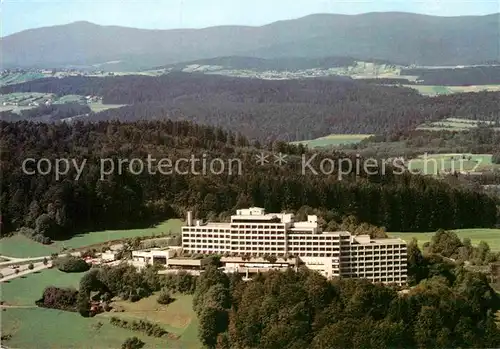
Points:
[(189, 220)]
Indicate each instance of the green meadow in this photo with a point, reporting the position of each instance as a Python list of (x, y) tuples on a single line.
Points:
[(22, 247), (33, 327), (490, 236), (436, 163), (333, 140)]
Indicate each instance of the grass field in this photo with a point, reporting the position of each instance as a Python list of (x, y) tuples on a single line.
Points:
[(436, 163), (26, 290), (20, 246), (491, 236), (334, 139), (178, 317), (452, 124), (97, 107), (32, 327)]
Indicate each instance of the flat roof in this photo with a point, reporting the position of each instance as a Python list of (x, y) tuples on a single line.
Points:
[(389, 240)]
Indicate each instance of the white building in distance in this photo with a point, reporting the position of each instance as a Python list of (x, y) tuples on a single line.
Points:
[(252, 232)]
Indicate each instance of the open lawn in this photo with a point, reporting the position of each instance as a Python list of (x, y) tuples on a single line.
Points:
[(26, 290), (32, 327), (334, 139), (21, 247), (39, 328), (178, 317), (437, 163), (490, 236)]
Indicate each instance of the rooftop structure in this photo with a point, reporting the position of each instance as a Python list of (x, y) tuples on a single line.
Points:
[(253, 232)]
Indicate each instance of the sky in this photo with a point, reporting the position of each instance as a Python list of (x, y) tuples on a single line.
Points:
[(18, 15)]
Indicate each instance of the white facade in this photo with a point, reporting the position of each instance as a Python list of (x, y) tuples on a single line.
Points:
[(255, 233), (155, 254)]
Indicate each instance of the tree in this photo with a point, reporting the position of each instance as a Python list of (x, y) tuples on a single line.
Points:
[(71, 264), (31, 266), (496, 158), (45, 226), (164, 297), (45, 261), (417, 269), (132, 343)]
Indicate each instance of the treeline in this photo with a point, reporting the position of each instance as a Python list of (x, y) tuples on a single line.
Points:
[(466, 76), (448, 244), (87, 200), (46, 113), (449, 308), (265, 109)]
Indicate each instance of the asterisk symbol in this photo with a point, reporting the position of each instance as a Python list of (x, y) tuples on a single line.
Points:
[(262, 159), (280, 159)]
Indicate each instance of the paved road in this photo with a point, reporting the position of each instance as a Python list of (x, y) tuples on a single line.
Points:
[(9, 273), (14, 260)]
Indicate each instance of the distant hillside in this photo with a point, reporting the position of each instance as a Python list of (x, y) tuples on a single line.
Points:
[(395, 37), (288, 110), (272, 64)]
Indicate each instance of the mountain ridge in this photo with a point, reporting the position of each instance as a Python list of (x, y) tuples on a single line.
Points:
[(392, 36)]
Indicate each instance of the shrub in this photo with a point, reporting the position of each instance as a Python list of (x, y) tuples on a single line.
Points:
[(146, 327), (59, 298), (496, 158), (71, 264), (42, 239), (164, 297), (132, 343)]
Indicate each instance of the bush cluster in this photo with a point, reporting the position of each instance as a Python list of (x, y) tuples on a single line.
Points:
[(58, 298), (70, 264), (148, 328)]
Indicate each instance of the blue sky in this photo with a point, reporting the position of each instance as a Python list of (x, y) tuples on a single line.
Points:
[(18, 15)]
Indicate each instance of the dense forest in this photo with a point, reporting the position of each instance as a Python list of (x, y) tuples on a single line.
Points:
[(58, 206), (481, 140), (269, 110), (450, 307)]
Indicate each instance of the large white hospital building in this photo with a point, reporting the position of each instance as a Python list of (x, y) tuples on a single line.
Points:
[(252, 232)]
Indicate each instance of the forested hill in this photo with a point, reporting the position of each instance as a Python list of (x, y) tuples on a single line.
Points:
[(102, 197), (267, 110), (404, 38)]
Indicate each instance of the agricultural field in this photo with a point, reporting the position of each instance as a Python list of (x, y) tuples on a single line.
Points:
[(490, 236), (97, 107), (16, 102), (333, 140), (22, 247), (34, 327), (430, 90), (434, 164), (17, 78), (453, 124)]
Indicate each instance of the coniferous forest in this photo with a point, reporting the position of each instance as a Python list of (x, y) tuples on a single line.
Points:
[(88, 200), (267, 110)]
